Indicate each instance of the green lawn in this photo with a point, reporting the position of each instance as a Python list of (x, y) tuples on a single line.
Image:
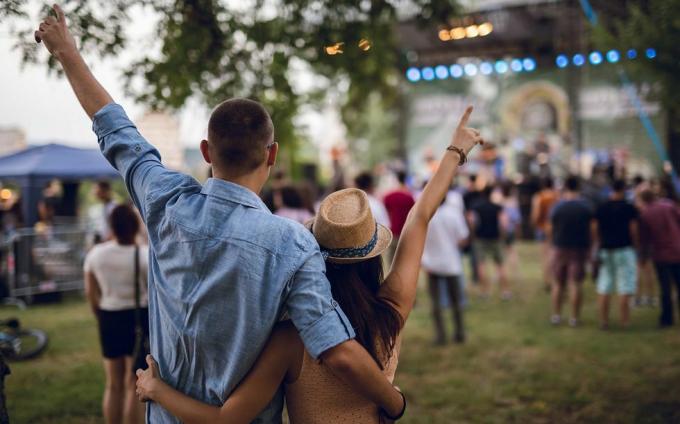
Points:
[(514, 367)]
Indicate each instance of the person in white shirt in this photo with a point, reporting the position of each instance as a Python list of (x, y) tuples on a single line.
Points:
[(365, 182), (110, 288), (447, 232)]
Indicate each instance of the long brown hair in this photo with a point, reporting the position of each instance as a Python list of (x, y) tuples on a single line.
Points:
[(375, 319)]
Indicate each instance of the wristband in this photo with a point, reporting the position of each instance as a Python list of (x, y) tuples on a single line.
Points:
[(461, 153), (400, 415)]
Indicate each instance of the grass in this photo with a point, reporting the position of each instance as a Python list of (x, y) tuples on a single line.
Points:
[(514, 367)]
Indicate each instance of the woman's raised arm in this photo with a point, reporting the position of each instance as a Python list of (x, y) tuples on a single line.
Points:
[(400, 284)]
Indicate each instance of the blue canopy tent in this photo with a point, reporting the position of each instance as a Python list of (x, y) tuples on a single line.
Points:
[(33, 168)]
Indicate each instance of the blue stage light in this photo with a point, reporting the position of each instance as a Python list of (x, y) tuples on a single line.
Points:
[(441, 72), (413, 74), (486, 68), (501, 66), (428, 73), (632, 54), (578, 60), (650, 53), (562, 61), (613, 56), (471, 69), (456, 71), (516, 65), (595, 58), (529, 64)]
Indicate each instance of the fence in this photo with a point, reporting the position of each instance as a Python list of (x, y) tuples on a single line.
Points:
[(39, 262)]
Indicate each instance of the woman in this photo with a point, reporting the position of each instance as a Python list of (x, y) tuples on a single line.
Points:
[(352, 243), (110, 288)]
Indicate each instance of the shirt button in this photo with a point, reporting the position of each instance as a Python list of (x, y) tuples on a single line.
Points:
[(334, 303), (138, 148)]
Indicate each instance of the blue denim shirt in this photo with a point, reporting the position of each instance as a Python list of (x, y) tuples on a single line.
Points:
[(222, 270)]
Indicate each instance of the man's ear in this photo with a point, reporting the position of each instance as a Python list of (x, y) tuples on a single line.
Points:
[(205, 151), (273, 151)]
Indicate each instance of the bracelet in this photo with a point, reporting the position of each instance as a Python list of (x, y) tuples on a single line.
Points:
[(400, 415), (461, 153)]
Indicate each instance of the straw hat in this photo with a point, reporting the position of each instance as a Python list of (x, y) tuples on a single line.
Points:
[(345, 228)]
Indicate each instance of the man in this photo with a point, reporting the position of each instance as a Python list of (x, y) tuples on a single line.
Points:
[(398, 203), (660, 232), (470, 197), (489, 223), (223, 268), (570, 231), (365, 182), (99, 214), (617, 224), (442, 262), (541, 205)]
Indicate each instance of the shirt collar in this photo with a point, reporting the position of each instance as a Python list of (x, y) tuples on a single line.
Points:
[(232, 192)]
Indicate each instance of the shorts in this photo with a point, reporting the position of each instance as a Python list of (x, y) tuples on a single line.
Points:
[(618, 267), (489, 248), (117, 331), (569, 264)]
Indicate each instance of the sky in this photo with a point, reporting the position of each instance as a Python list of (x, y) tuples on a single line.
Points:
[(45, 108)]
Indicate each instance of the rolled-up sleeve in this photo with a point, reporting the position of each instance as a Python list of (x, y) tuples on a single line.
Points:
[(318, 318), (127, 151)]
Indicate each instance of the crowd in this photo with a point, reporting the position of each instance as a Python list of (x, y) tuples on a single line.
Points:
[(624, 234)]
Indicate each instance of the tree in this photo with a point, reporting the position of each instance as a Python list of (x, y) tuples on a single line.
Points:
[(214, 49), (650, 24)]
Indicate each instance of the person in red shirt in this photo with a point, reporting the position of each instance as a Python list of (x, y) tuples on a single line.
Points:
[(660, 231), (398, 204)]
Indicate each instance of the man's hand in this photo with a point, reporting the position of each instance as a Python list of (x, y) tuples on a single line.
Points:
[(466, 138), (54, 33)]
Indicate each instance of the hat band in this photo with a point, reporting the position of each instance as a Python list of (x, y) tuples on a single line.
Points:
[(351, 252)]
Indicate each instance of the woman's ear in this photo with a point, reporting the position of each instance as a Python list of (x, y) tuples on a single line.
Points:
[(205, 151)]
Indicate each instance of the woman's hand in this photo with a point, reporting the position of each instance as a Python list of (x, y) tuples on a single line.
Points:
[(54, 33), (148, 381), (466, 138)]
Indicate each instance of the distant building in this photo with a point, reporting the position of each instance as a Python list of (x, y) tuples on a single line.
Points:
[(12, 140), (162, 130)]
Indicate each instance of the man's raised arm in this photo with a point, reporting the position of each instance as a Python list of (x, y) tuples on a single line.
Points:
[(54, 34)]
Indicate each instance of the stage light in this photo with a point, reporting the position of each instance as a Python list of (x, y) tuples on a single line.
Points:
[(516, 65), (470, 69), (486, 68), (613, 56), (444, 35), (578, 60), (650, 53), (413, 74), (632, 54), (562, 61), (529, 64), (595, 58), (364, 44), (501, 67), (485, 29), (458, 33), (427, 73), (471, 31), (441, 72), (456, 71), (5, 194)]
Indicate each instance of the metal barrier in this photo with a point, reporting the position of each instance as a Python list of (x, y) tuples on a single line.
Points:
[(46, 261)]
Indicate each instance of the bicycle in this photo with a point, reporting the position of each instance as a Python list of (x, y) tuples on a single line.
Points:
[(19, 344)]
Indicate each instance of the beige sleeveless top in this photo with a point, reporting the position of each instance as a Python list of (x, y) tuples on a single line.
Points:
[(318, 397)]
